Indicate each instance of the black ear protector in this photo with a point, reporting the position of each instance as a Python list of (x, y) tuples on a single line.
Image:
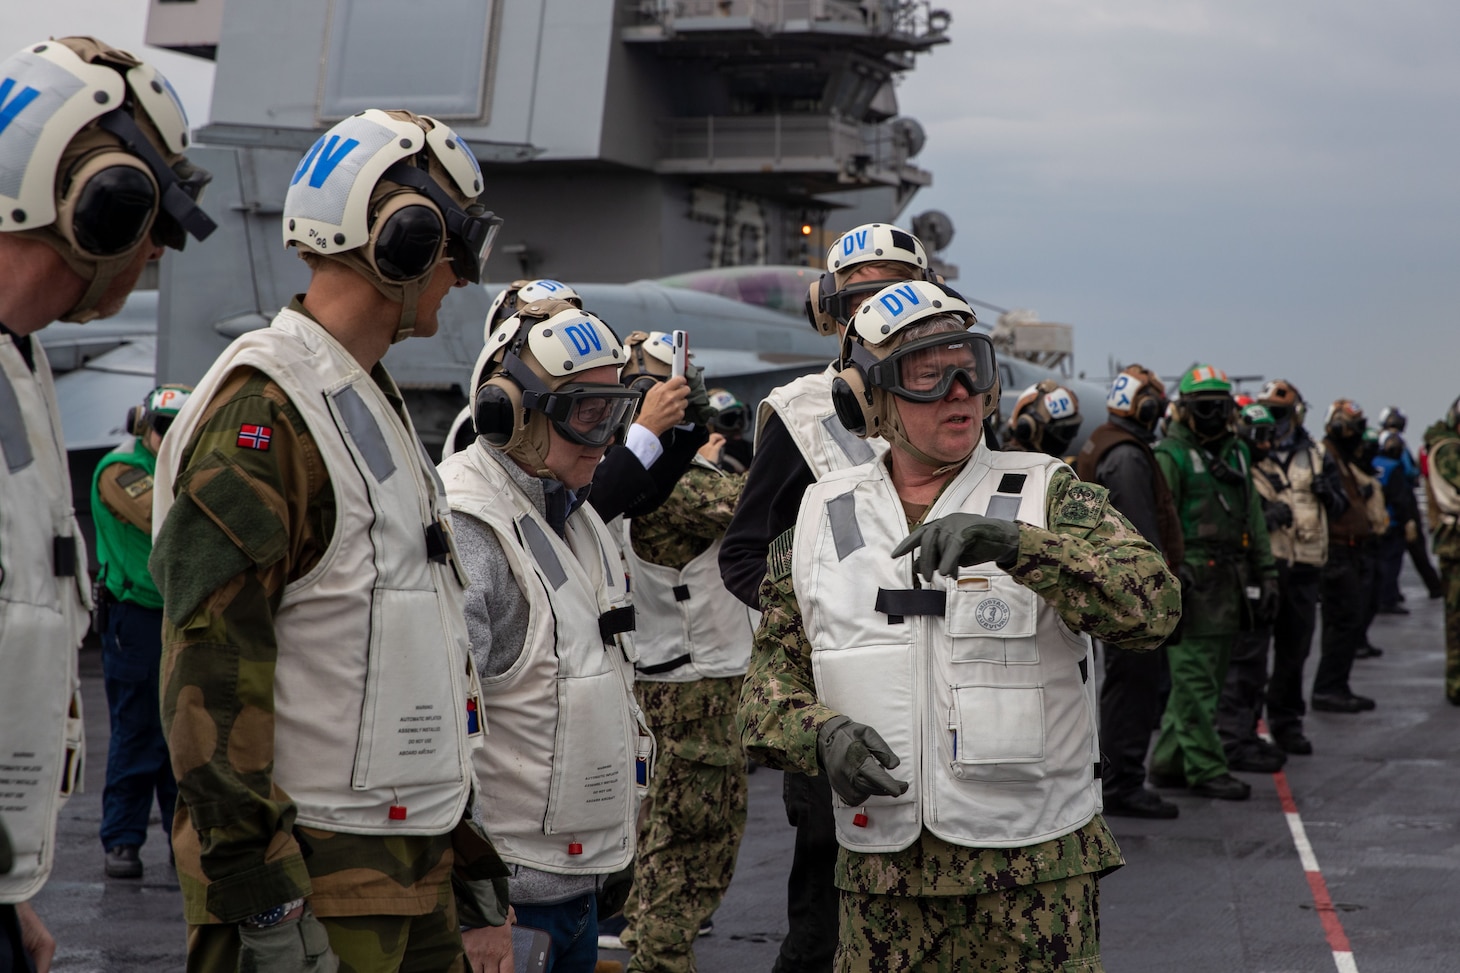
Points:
[(135, 416), (407, 237), (851, 395), (1025, 430), (820, 319), (1149, 409), (498, 412), (109, 203)]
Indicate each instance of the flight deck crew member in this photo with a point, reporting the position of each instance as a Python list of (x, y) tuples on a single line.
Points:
[(1046, 420), (1118, 457), (798, 439), (550, 622), (1209, 473), (1348, 575), (319, 696), (93, 186), (693, 640), (1442, 488), (732, 421), (130, 619), (952, 711), (1393, 418)]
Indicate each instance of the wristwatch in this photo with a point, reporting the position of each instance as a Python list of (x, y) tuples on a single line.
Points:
[(272, 917)]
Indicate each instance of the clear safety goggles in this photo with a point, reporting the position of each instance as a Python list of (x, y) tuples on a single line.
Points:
[(842, 303), (924, 370), (585, 413), (470, 232)]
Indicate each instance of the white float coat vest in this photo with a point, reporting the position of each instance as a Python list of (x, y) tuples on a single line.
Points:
[(1446, 496), (688, 625), (375, 693), (805, 408), (567, 742), (976, 684), (1306, 541), (43, 617)]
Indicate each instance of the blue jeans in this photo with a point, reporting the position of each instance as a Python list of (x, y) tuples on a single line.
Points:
[(573, 926), (137, 761)]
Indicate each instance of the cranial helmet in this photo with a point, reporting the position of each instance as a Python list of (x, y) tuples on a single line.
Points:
[(522, 292), (157, 410), (91, 160), (388, 194), (1255, 425), (526, 384), (731, 415), (1345, 419), (1392, 418), (1046, 417), (1284, 402), (913, 341), (1138, 394), (1205, 405), (829, 299)]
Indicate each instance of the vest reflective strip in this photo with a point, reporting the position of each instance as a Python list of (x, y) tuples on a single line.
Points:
[(842, 512), (364, 430), (1003, 508), (857, 450), (542, 551), (14, 441)]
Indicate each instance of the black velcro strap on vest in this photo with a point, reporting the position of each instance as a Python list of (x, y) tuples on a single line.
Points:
[(681, 592), (436, 546), (1097, 770), (897, 602), (63, 557), (1084, 671), (1012, 483), (664, 667), (616, 622)]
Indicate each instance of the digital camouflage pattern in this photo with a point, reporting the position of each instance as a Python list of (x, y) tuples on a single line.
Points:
[(1051, 926), (1443, 443), (695, 817), (1091, 566), (238, 851)]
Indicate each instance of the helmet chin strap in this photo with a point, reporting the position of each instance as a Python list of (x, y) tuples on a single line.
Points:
[(532, 448), (98, 272), (896, 435), (407, 294)]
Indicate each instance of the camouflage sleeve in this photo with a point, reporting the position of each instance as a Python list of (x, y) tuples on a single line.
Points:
[(703, 501), (779, 714), (245, 523), (1096, 570), (1445, 458)]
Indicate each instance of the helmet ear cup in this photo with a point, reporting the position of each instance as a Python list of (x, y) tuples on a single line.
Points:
[(406, 237), (823, 322), (1026, 430), (135, 415), (109, 204), (498, 413), (1148, 410), (851, 396)]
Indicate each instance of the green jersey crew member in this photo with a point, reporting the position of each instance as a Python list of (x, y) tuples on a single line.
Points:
[(877, 656), (130, 620), (93, 186), (319, 697)]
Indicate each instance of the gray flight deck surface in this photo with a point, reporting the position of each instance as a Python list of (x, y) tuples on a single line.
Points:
[(1220, 889)]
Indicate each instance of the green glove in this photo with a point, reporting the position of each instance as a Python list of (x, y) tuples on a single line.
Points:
[(296, 946), (698, 409), (960, 540), (853, 755)]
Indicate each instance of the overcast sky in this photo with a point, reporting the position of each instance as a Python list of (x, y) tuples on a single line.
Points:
[(1271, 187)]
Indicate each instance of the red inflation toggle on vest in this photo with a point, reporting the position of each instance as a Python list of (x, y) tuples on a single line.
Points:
[(397, 812), (575, 848), (860, 819)]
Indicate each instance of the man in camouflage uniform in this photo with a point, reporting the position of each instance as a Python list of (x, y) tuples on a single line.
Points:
[(1003, 876), (693, 641), (1442, 488), (93, 186), (313, 600), (1228, 580)]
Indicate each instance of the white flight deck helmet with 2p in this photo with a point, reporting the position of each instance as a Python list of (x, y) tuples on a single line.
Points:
[(521, 293), (828, 301), (387, 194), (526, 384), (91, 160), (880, 365)]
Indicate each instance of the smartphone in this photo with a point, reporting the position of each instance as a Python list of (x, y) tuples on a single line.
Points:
[(681, 354), (530, 949)]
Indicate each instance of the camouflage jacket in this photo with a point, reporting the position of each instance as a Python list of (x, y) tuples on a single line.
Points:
[(696, 514), (1106, 580), (1443, 445), (238, 849)]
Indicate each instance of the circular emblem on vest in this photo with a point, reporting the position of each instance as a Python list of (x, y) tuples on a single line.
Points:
[(992, 614)]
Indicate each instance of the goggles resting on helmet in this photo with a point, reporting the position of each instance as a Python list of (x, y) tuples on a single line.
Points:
[(584, 413), (924, 370), (470, 232)]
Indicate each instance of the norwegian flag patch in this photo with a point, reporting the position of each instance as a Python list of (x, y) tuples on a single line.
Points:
[(254, 437)]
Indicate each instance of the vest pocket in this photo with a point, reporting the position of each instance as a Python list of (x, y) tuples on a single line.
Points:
[(997, 733), (991, 619), (411, 721), (592, 766)]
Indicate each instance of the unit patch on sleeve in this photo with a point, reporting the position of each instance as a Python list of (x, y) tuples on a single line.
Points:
[(254, 437)]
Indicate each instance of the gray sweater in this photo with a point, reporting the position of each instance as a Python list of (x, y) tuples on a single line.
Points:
[(497, 620)]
